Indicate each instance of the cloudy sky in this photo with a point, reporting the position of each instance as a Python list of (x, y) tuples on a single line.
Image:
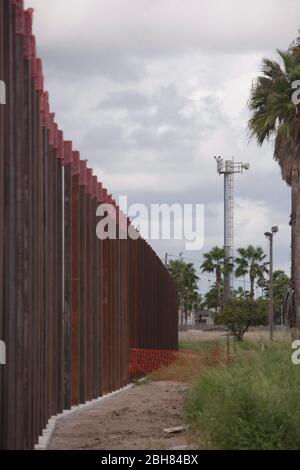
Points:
[(150, 90)]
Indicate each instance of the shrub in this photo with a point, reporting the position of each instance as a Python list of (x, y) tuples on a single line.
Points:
[(252, 405), (238, 315)]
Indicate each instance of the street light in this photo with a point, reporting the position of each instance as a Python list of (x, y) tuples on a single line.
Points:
[(269, 236)]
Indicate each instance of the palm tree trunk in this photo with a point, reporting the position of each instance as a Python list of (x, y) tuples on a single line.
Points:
[(296, 253), (218, 282), (292, 222), (252, 287), (181, 315)]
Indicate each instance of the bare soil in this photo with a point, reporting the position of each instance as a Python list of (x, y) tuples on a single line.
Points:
[(255, 334), (135, 419)]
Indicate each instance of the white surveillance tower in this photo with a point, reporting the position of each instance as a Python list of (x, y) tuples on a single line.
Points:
[(228, 168)]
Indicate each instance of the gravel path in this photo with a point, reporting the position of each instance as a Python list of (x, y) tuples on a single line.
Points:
[(132, 420)]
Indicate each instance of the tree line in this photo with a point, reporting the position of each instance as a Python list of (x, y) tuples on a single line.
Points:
[(250, 263)]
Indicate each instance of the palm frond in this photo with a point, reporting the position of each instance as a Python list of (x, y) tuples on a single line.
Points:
[(273, 113)]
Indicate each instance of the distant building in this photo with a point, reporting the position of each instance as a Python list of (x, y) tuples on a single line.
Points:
[(203, 317)]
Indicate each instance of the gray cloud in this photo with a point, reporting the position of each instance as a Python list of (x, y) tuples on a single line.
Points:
[(131, 99), (159, 127), (105, 136), (112, 38), (80, 61), (151, 92)]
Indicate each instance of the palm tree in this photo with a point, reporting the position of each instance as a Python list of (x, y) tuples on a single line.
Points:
[(186, 279), (211, 300), (251, 261), (280, 284), (261, 282), (274, 115), (214, 263), (241, 293), (176, 269)]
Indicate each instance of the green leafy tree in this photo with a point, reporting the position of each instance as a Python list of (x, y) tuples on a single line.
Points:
[(211, 299), (214, 263), (275, 115), (240, 293), (196, 302), (186, 279), (251, 262), (238, 315), (280, 284)]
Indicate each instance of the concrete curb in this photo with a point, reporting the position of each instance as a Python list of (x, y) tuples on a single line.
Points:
[(45, 439)]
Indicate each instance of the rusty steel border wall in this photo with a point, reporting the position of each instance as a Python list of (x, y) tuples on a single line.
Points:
[(71, 306)]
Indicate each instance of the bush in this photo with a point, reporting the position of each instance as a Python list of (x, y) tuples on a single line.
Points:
[(238, 315), (252, 405)]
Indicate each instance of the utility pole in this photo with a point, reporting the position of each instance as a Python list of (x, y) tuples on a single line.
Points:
[(166, 259), (228, 168), (270, 237)]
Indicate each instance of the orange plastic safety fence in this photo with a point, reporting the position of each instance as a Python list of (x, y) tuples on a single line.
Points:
[(148, 360)]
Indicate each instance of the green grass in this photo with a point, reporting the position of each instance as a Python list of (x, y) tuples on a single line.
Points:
[(143, 381), (254, 404), (209, 345)]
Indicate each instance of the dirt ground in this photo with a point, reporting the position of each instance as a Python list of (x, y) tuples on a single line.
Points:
[(198, 335), (255, 334), (135, 419)]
